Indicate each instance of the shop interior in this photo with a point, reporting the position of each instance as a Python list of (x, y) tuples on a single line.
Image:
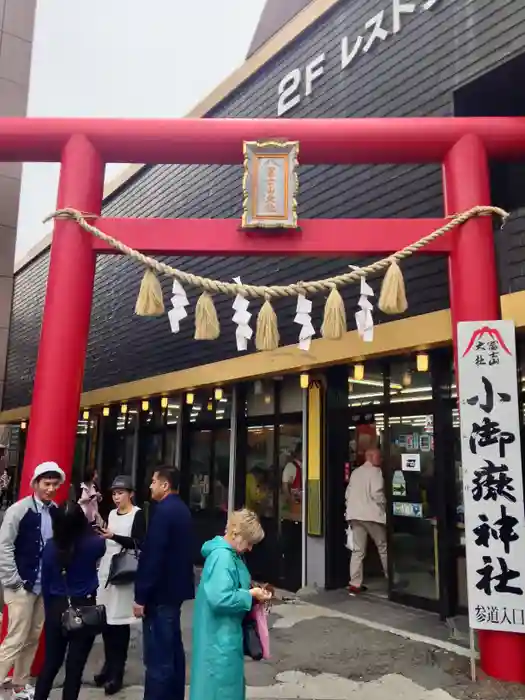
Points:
[(405, 406)]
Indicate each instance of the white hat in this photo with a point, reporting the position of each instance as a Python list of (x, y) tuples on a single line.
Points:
[(48, 467)]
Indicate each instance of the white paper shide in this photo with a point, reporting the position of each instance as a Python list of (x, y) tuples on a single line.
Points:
[(179, 301), (241, 318), (363, 318), (303, 317), (492, 476)]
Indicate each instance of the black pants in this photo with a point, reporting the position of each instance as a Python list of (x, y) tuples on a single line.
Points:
[(116, 643), (75, 649)]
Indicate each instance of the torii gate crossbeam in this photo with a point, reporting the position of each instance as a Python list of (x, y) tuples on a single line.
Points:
[(83, 146)]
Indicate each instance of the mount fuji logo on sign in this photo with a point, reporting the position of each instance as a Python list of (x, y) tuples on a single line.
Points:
[(375, 30)]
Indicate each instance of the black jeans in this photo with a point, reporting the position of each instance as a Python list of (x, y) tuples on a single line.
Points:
[(75, 649), (163, 654), (116, 643)]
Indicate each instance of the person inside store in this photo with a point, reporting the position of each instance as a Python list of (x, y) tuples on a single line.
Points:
[(257, 492), (26, 528), (6, 482), (366, 515), (220, 486), (125, 530), (224, 597), (291, 516), (90, 497), (292, 481), (69, 579), (165, 580)]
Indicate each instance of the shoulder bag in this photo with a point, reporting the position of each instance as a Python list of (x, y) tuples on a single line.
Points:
[(82, 618), (250, 638), (251, 641), (123, 567)]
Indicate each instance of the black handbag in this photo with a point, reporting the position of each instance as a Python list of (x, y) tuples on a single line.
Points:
[(251, 641), (123, 567), (82, 618)]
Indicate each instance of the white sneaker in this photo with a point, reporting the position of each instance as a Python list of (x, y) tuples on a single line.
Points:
[(26, 693)]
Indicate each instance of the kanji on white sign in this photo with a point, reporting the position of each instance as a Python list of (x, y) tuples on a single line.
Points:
[(492, 475)]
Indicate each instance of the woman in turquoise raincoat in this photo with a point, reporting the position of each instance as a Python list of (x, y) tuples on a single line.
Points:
[(223, 599)]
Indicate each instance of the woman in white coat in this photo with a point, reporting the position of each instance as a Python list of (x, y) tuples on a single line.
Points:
[(126, 529)]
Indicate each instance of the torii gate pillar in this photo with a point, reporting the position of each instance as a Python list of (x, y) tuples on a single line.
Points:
[(474, 296)]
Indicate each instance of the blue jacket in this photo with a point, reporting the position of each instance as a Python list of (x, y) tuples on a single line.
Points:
[(81, 576), (165, 573), (20, 545), (223, 599)]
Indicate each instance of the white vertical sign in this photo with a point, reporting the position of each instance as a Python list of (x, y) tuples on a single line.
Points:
[(492, 475)]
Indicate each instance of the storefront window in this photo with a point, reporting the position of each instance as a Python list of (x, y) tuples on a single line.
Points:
[(116, 454), (461, 564), (223, 405), (260, 470), (273, 485), (221, 469), (200, 466), (173, 416), (366, 385), (130, 419), (260, 400), (150, 455), (79, 457), (173, 411), (152, 413), (206, 408), (291, 471), (407, 384), (172, 440), (291, 395)]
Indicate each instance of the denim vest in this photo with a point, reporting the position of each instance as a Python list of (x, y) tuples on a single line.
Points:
[(28, 548)]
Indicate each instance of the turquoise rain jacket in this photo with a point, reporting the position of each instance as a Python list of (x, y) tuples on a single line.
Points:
[(223, 599)]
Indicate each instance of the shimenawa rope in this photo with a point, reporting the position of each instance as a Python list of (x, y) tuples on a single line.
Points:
[(274, 291), (392, 299)]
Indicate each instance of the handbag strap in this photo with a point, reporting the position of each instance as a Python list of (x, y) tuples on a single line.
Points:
[(135, 549), (64, 578)]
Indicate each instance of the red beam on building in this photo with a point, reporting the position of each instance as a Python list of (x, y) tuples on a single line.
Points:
[(219, 141), (316, 237)]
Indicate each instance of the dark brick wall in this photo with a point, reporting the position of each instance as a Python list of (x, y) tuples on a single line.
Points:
[(412, 73)]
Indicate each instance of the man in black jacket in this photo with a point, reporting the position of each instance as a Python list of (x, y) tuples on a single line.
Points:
[(165, 579)]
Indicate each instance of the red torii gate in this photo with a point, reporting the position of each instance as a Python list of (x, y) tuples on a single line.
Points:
[(84, 146)]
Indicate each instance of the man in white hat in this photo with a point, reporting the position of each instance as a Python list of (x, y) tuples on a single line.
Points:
[(24, 532)]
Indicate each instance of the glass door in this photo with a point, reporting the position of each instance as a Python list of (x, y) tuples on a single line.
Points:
[(423, 516), (413, 546), (412, 513), (221, 472), (201, 442), (209, 458), (365, 432), (273, 490), (290, 502), (262, 496)]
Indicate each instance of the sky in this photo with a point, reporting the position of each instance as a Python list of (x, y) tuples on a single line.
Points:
[(124, 58)]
